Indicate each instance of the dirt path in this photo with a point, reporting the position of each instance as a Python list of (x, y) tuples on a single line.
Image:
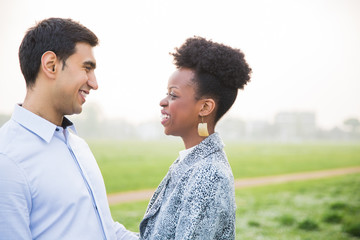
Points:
[(141, 195)]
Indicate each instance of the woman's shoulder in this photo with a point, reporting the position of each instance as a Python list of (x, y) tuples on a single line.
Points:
[(214, 167)]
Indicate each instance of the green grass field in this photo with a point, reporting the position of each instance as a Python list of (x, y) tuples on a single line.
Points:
[(316, 209), (141, 165)]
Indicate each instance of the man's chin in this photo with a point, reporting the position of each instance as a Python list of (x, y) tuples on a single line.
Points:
[(75, 111), (78, 112)]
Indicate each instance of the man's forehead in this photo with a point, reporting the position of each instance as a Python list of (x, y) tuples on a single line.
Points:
[(85, 51)]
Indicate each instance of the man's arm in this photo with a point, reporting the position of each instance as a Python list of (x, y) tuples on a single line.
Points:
[(15, 201), (123, 234)]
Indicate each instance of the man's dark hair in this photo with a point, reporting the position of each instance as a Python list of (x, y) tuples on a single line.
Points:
[(219, 70), (54, 34)]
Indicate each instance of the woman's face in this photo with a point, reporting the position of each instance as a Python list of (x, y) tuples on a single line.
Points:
[(180, 109)]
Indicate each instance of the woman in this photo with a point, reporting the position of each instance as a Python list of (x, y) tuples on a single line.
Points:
[(196, 198)]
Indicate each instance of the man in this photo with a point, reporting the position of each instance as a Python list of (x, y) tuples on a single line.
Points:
[(50, 184)]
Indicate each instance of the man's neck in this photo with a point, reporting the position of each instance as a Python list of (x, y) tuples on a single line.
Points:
[(38, 104)]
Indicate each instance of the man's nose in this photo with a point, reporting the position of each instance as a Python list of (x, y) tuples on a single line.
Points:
[(92, 82)]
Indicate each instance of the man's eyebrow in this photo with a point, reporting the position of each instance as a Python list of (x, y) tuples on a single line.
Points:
[(90, 63)]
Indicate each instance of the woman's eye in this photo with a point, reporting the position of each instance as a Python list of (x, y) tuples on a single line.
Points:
[(172, 95)]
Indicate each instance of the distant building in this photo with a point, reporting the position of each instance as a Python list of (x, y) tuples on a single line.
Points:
[(258, 130), (295, 125)]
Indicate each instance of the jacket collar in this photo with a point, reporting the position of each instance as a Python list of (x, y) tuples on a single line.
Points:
[(208, 146)]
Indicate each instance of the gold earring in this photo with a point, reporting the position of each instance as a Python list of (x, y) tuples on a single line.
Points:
[(202, 128)]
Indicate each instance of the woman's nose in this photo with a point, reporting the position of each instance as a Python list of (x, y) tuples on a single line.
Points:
[(163, 102)]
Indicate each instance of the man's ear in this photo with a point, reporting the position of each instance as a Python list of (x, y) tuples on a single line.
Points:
[(48, 64), (207, 107)]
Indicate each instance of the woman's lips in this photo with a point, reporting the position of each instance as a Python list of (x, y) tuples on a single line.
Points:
[(164, 117)]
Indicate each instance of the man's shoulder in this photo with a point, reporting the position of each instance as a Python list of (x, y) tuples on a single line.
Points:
[(7, 133), (14, 138)]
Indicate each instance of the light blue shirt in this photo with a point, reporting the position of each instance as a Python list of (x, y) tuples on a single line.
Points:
[(50, 184)]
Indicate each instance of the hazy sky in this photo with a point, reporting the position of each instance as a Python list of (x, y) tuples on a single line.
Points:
[(305, 54)]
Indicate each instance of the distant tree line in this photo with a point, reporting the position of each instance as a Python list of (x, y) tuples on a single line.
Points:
[(287, 127)]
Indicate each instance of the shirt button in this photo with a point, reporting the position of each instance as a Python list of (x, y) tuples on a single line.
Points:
[(57, 129)]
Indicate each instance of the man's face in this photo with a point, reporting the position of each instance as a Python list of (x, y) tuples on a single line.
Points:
[(75, 80)]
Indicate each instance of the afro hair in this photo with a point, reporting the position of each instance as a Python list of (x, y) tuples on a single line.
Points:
[(223, 62), (219, 70)]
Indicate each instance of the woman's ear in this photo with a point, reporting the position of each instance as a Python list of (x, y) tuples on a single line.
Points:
[(207, 107), (48, 64)]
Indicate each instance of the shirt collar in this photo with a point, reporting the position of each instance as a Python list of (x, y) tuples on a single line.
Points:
[(36, 124), (184, 153)]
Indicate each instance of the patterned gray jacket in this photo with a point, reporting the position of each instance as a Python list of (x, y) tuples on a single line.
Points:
[(196, 199)]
